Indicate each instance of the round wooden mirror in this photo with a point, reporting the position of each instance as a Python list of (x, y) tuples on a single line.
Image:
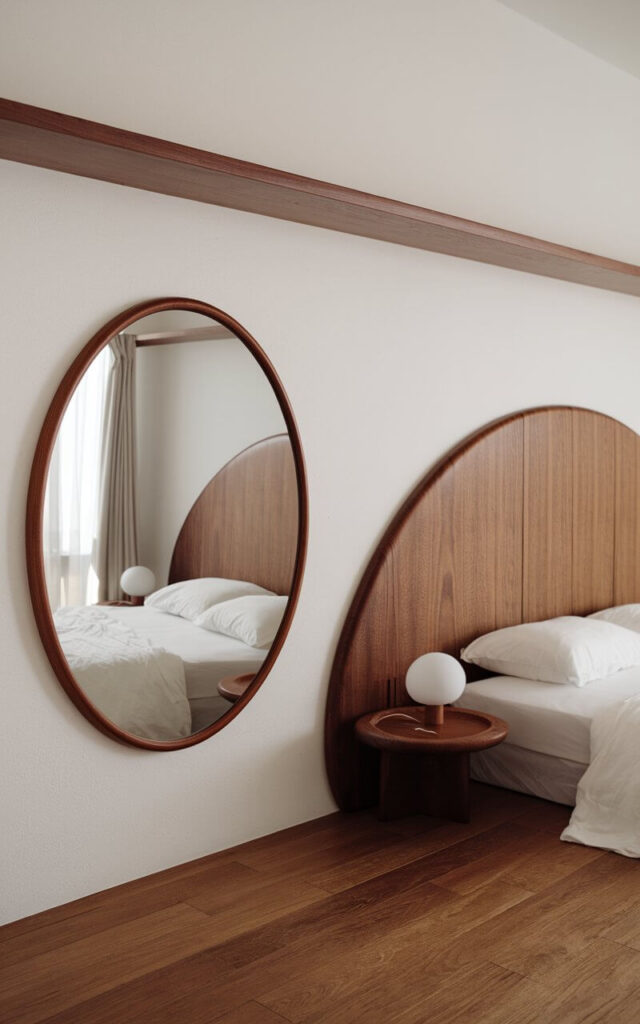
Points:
[(166, 524)]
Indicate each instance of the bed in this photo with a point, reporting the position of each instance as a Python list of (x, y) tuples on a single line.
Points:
[(152, 674), (548, 748), (155, 675), (535, 516)]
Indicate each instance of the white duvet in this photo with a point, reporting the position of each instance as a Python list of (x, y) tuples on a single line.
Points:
[(607, 811), (138, 686)]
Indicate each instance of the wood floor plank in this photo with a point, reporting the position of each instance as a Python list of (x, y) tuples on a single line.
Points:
[(308, 855), (459, 1001), (250, 910), (194, 988), (218, 885), (519, 843), (55, 980), (332, 825), (550, 862), (407, 956), (601, 983), (626, 929), (377, 892), (371, 908), (251, 1013), (339, 877), (119, 894), (349, 921), (545, 816), (358, 869), (191, 990), (62, 977), (562, 920), (594, 982), (530, 859), (416, 996)]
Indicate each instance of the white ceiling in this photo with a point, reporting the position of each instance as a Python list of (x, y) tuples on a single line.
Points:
[(610, 29)]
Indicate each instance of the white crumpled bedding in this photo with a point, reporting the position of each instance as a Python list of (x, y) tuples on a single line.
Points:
[(607, 811), (139, 687)]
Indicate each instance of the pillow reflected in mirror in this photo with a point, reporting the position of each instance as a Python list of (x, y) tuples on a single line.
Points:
[(254, 619), (190, 598)]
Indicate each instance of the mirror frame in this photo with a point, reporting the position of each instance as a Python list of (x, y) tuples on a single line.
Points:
[(35, 514)]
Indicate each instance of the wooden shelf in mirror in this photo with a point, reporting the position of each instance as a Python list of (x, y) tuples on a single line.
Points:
[(44, 138)]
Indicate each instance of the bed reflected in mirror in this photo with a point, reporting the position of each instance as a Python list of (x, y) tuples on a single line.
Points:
[(170, 527)]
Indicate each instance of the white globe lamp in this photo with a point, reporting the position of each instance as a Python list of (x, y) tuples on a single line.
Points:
[(137, 582), (434, 680)]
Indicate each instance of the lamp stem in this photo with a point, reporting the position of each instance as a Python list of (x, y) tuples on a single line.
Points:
[(433, 714)]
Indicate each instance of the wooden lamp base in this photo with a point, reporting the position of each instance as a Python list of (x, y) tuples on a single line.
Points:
[(433, 714)]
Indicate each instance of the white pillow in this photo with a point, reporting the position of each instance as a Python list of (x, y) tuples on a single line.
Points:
[(569, 650), (627, 615), (191, 598), (254, 619)]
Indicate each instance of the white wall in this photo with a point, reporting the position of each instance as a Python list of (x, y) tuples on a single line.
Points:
[(389, 355), (198, 405), (463, 106)]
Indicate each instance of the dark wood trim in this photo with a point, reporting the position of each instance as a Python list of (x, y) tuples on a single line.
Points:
[(532, 517), (45, 138), (35, 512), (177, 337)]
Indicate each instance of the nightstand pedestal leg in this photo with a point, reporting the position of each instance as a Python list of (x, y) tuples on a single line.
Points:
[(433, 784)]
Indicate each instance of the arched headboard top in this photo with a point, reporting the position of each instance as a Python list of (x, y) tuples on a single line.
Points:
[(244, 524), (536, 515)]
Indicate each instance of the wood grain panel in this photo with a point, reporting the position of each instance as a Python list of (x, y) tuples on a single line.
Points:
[(488, 527), (626, 583), (244, 525), (45, 138), (548, 515), (593, 512), (535, 516)]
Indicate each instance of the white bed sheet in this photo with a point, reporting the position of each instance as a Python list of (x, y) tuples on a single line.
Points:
[(527, 771), (548, 718), (207, 657), (136, 685)]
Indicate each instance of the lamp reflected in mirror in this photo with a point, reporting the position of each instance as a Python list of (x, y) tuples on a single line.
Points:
[(137, 582)]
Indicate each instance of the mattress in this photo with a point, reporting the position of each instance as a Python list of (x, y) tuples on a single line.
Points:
[(207, 657), (551, 778), (548, 718)]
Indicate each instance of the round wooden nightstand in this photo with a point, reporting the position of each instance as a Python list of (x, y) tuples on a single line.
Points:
[(424, 768), (232, 687)]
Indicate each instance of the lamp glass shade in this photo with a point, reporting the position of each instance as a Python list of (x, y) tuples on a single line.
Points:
[(435, 678), (137, 581)]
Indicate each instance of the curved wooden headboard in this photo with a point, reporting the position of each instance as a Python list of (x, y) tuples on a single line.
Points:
[(244, 524), (537, 515)]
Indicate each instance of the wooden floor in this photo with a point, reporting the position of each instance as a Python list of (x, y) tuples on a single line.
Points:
[(346, 920)]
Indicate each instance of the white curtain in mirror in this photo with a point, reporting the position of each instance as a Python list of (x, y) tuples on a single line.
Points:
[(117, 526), (73, 492)]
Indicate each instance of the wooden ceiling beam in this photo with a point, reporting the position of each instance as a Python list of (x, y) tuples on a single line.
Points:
[(44, 138)]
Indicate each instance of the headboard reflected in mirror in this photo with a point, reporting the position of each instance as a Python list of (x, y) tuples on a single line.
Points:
[(241, 526), (169, 466), (537, 515)]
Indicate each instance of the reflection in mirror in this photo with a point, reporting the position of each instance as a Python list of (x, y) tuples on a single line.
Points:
[(170, 525)]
